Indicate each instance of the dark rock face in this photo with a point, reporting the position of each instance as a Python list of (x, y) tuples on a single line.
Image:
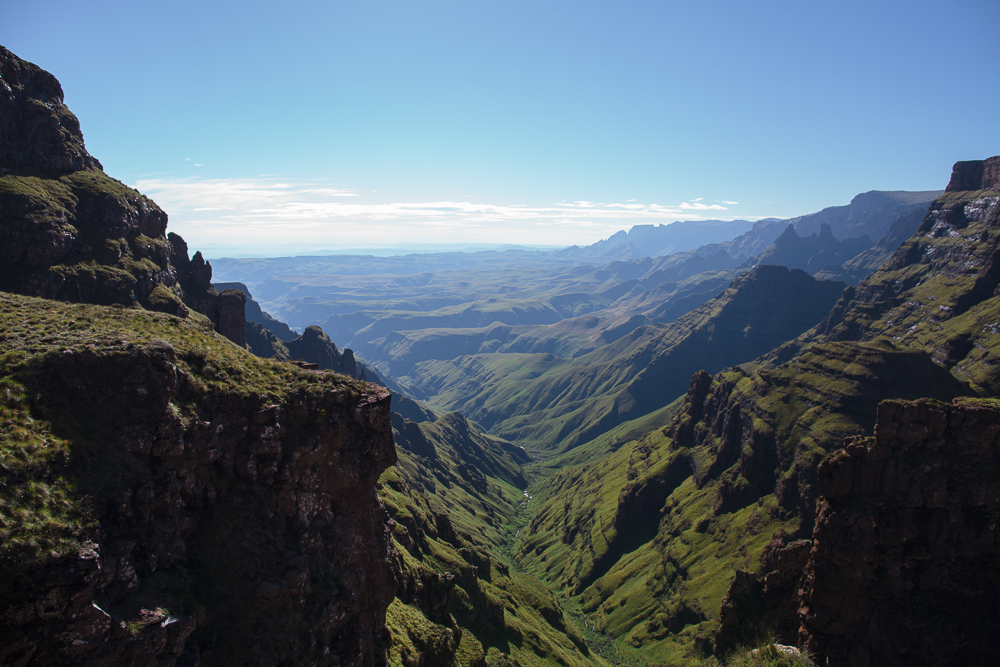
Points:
[(812, 253), (255, 314), (975, 175), (70, 232), (38, 129), (81, 237), (768, 606), (903, 567), (315, 347), (260, 516)]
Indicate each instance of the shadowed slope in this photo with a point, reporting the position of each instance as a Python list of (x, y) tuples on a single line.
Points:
[(551, 404)]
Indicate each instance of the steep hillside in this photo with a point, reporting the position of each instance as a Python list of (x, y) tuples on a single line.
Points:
[(649, 537), (811, 253), (550, 404), (456, 499), (72, 233), (869, 214)]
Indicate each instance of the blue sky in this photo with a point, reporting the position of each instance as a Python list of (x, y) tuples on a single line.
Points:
[(266, 127)]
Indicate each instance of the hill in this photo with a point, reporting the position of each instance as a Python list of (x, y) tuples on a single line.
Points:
[(657, 528)]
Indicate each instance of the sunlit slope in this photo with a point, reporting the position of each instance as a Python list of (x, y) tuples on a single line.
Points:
[(550, 404), (650, 535), (936, 293), (456, 499)]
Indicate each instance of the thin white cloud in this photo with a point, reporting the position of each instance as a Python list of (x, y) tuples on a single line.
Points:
[(695, 205), (259, 210), (729, 203)]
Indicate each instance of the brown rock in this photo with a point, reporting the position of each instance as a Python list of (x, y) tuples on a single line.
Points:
[(38, 130), (903, 566), (188, 512), (72, 233), (975, 175)]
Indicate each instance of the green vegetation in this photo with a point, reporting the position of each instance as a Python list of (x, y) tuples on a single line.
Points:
[(552, 405), (69, 377), (764, 654), (84, 246), (457, 502)]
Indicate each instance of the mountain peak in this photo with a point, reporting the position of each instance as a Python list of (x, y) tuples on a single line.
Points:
[(39, 130)]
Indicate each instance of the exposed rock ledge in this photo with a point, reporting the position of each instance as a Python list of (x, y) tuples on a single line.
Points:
[(902, 565), (252, 520), (903, 569)]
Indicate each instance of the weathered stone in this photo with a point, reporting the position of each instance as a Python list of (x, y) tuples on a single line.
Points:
[(70, 232), (903, 567)]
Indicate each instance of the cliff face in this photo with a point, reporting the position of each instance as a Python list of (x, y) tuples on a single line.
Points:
[(975, 175), (70, 232), (897, 533), (812, 253), (166, 498), (39, 130), (209, 508), (903, 564)]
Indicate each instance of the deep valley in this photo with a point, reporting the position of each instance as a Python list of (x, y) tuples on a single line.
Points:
[(654, 450)]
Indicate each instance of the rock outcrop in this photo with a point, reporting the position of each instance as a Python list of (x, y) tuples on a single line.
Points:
[(903, 565), (38, 129), (244, 508), (975, 175), (70, 232), (811, 253)]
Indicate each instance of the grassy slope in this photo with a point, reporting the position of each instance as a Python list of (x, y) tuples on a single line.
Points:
[(552, 405), (663, 594), (456, 497)]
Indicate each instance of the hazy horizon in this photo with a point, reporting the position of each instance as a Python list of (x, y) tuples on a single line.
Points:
[(356, 125)]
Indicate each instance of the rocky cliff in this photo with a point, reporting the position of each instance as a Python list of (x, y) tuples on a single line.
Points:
[(166, 498), (811, 253), (70, 232), (938, 297), (902, 569)]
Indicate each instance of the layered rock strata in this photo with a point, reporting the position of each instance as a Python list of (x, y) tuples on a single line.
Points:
[(903, 565), (230, 527)]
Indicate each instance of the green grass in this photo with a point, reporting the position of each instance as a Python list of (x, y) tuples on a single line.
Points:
[(107, 262), (68, 377), (765, 653)]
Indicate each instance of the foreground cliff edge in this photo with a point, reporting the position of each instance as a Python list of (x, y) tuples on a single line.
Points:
[(159, 481), (166, 498)]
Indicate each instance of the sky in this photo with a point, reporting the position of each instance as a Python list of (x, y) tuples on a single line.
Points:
[(268, 128)]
